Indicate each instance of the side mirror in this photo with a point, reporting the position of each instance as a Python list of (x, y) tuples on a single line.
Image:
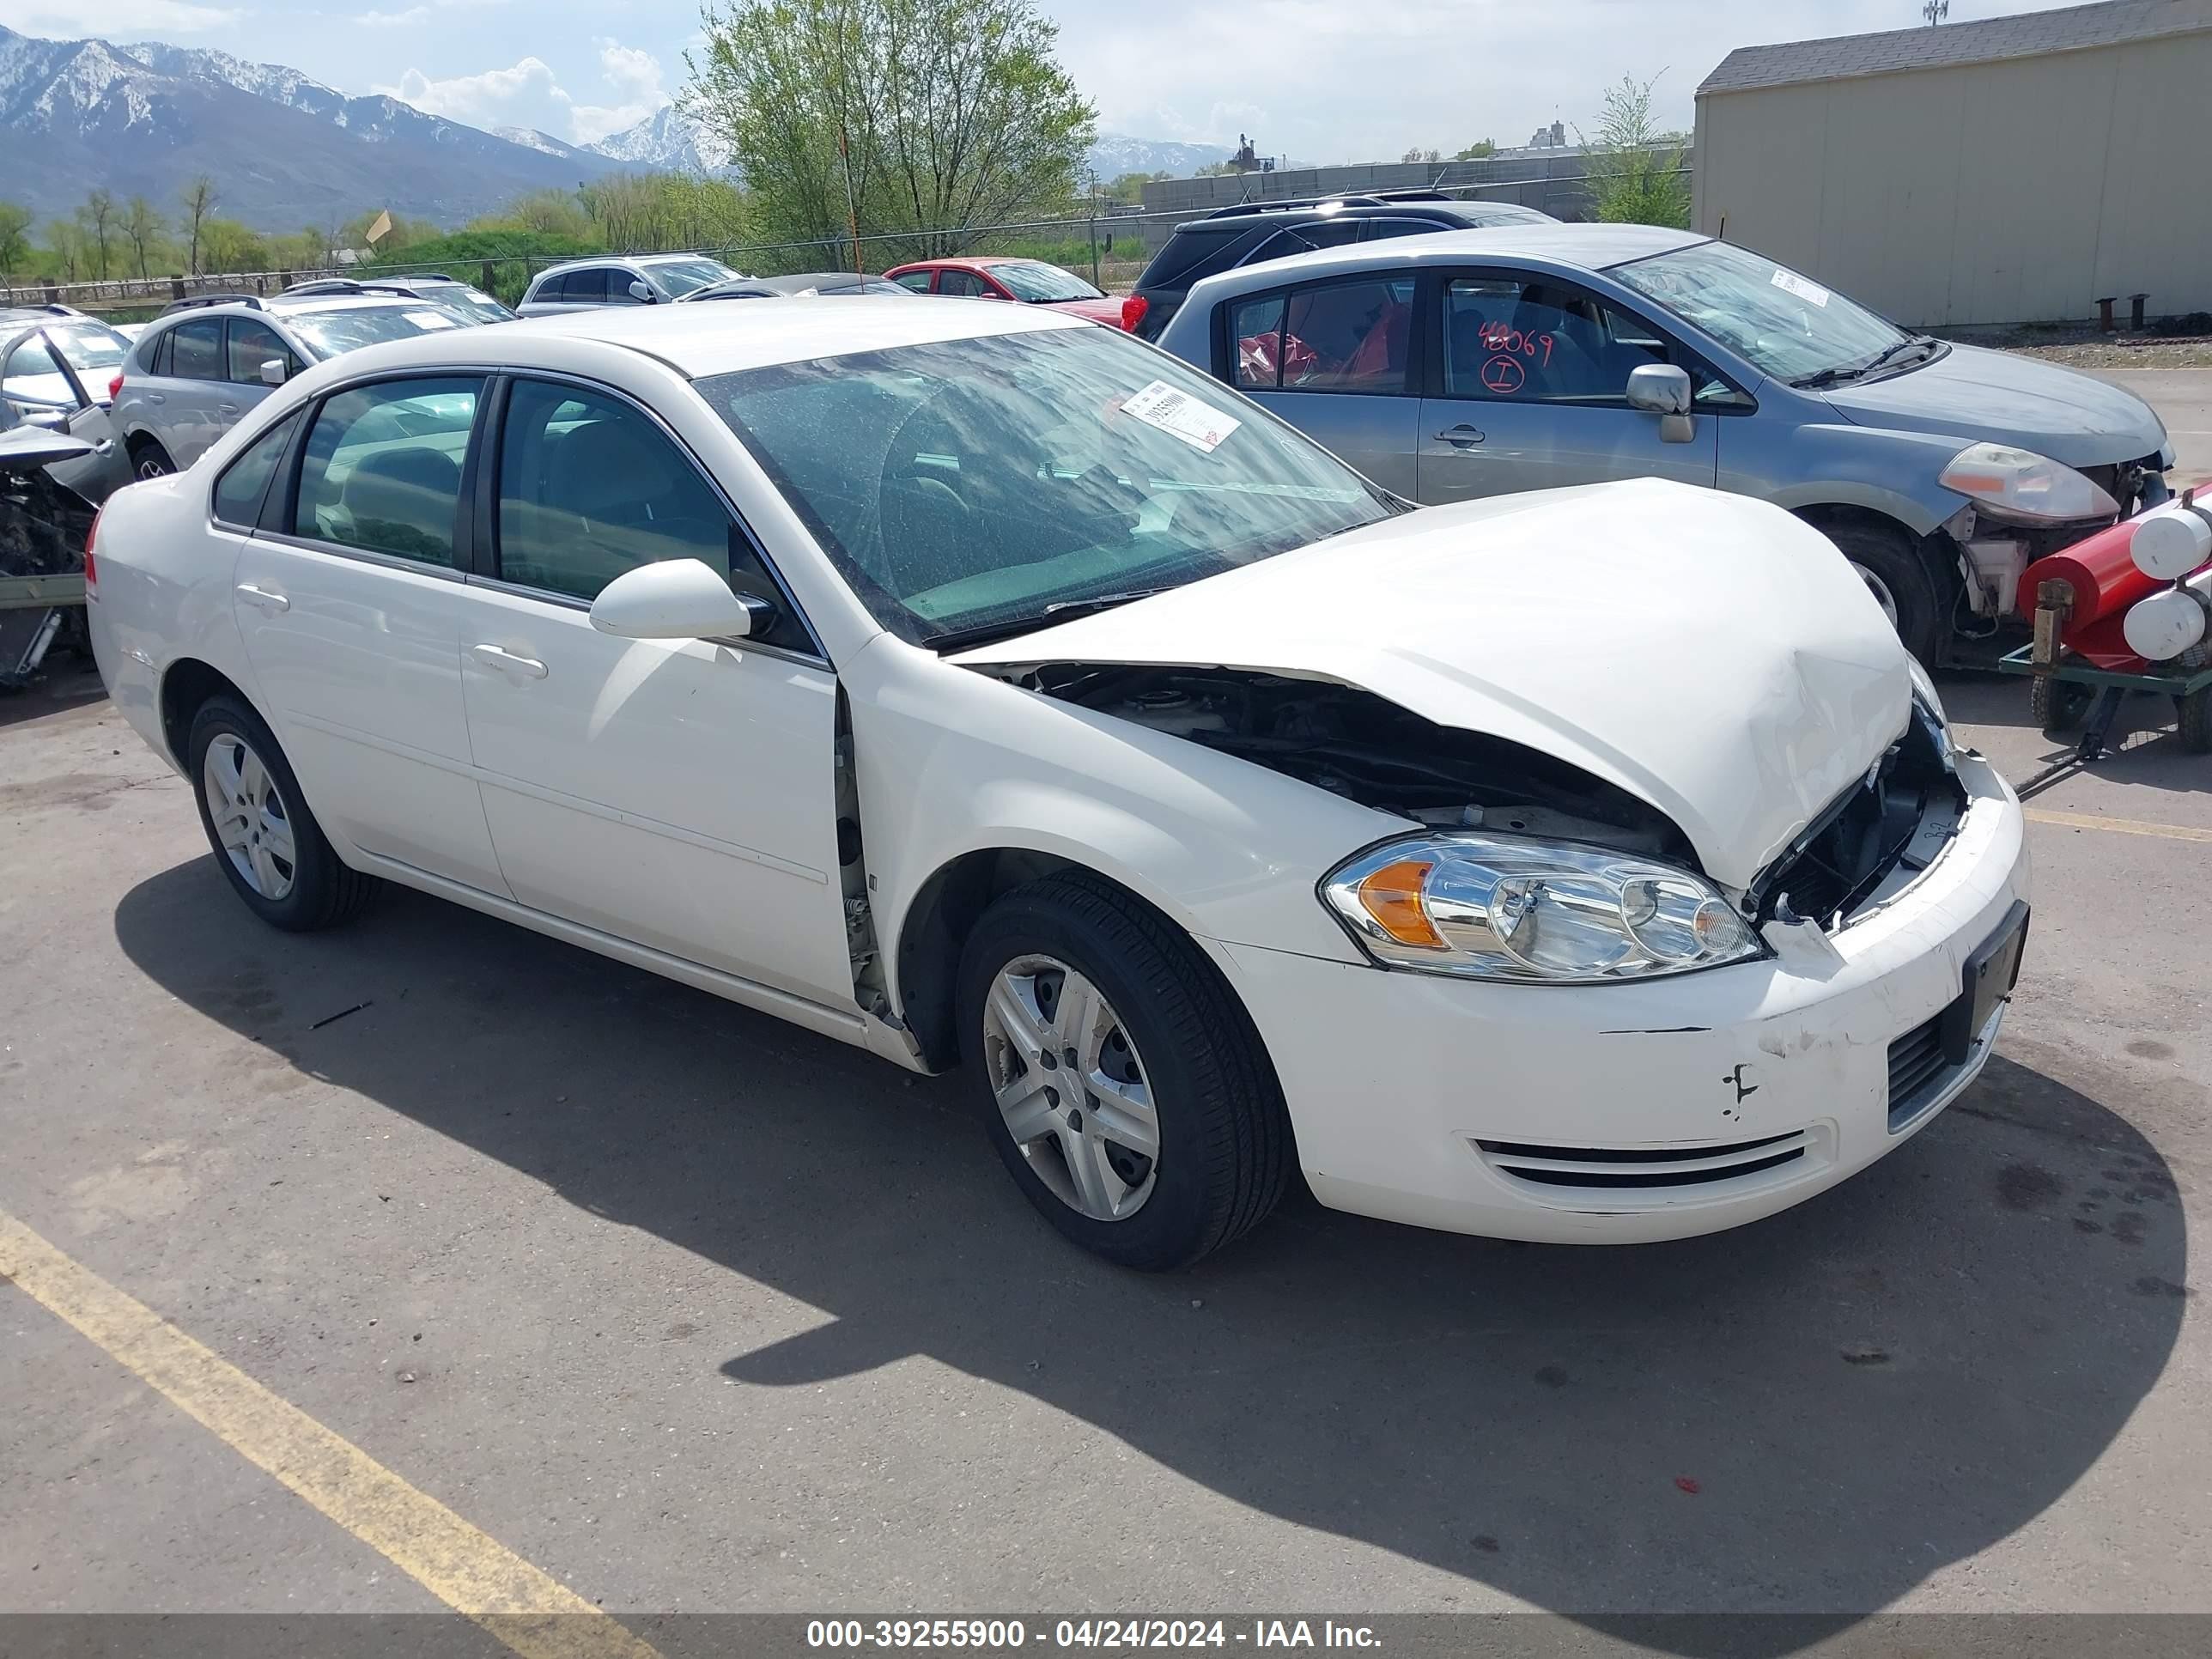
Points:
[(1659, 389), (677, 599), (47, 420), (272, 371), (640, 292)]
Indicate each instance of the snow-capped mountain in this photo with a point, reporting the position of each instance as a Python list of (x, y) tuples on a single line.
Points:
[(543, 142), (668, 140), (283, 150), (1115, 154)]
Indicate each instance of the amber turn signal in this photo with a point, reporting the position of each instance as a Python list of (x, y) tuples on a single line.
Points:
[(1393, 896)]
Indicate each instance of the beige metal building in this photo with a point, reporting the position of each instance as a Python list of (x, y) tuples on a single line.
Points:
[(2011, 170)]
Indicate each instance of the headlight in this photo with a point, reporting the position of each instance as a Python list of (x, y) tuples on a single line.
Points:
[(2024, 488), (1507, 907)]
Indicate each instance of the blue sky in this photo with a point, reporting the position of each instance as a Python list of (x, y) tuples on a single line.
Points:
[(1314, 80)]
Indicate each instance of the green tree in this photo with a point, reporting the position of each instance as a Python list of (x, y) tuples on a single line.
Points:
[(141, 228), (1480, 150), (1635, 168), (1417, 154), (66, 244), (923, 120), (15, 237), (545, 212), (199, 198), (97, 216), (227, 245)]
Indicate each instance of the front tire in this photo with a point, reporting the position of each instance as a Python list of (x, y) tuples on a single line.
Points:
[(1903, 583), (266, 842), (1121, 1083)]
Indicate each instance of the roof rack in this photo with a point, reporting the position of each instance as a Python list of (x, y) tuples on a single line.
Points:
[(1284, 203), (1416, 193), (324, 285), (196, 301)]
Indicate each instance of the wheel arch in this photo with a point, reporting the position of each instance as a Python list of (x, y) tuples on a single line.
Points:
[(186, 684), (945, 910)]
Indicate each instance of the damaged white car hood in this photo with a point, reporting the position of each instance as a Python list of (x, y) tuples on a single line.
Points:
[(1708, 653)]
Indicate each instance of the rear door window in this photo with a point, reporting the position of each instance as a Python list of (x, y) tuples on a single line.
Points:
[(195, 349), (382, 469), (589, 286), (1349, 337)]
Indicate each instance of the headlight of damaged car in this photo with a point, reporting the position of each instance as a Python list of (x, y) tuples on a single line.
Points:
[(2020, 487), (1526, 911)]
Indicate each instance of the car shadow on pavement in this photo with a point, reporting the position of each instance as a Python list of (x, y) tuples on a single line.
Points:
[(1810, 1415)]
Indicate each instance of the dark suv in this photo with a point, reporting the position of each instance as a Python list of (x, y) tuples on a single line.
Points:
[(1252, 231)]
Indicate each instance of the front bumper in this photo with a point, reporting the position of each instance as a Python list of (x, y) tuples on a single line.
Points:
[(1631, 1112)]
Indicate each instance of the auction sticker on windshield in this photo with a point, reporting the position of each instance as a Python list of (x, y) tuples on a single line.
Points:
[(1181, 416), (1791, 282), (430, 319)]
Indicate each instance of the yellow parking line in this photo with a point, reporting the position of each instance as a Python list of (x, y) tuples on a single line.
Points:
[(2118, 826), (468, 1570)]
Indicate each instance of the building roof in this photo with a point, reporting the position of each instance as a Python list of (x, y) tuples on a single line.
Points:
[(1989, 40)]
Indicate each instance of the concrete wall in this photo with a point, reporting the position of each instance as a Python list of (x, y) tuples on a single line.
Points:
[(2003, 192), (1556, 185)]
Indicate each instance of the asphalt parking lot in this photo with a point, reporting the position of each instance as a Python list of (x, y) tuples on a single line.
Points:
[(691, 1311)]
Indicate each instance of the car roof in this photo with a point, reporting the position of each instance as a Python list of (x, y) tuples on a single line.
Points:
[(281, 306), (1248, 216), (1583, 247), (699, 341)]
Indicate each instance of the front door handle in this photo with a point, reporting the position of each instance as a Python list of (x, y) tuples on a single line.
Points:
[(263, 598), (1461, 436), (515, 667), (105, 446)]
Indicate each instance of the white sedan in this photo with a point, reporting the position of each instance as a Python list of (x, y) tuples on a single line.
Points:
[(981, 687)]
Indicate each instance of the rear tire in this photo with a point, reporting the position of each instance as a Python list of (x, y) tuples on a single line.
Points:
[(1221, 1137), (266, 842), (2194, 717), (1903, 583), (149, 460)]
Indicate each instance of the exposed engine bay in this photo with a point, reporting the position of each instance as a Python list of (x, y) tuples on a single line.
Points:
[(1369, 749)]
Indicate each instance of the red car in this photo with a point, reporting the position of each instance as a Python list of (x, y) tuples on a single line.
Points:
[(1031, 282)]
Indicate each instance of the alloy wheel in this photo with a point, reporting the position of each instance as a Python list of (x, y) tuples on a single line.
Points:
[(1072, 1088), (251, 823), (151, 466)]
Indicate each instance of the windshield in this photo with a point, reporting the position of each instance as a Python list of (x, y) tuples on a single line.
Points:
[(1785, 324), (964, 487), (1042, 284), (330, 332), (469, 304), (677, 277)]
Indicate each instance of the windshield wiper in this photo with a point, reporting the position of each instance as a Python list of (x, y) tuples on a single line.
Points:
[(1059, 611), (1856, 371)]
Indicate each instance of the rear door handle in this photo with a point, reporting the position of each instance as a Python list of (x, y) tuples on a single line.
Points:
[(515, 667), (263, 598), (226, 409), (1460, 436), (157, 397), (105, 446)]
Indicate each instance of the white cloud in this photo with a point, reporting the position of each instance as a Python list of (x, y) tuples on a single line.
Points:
[(116, 19), (392, 19), (636, 77), (530, 95)]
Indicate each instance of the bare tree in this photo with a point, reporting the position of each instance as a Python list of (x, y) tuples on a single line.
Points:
[(1417, 154), (97, 216), (140, 225), (67, 246), (199, 199)]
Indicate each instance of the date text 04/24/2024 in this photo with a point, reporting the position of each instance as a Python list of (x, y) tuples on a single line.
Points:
[(1008, 1634)]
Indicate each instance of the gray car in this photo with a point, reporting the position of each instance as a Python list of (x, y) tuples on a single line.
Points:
[(636, 279), (204, 361), (1474, 363)]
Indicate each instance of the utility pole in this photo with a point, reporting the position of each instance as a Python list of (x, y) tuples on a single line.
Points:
[(852, 210), (1092, 173)]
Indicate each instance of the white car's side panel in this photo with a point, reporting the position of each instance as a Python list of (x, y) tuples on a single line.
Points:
[(679, 793), (357, 660)]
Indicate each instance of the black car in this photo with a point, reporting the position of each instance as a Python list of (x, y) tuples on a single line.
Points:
[(1253, 231)]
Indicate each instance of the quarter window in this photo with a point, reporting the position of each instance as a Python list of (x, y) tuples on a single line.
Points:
[(1337, 336), (589, 488), (238, 492), (1512, 340), (196, 350), (383, 467)]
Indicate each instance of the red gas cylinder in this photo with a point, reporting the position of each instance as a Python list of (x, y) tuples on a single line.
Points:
[(2101, 574)]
